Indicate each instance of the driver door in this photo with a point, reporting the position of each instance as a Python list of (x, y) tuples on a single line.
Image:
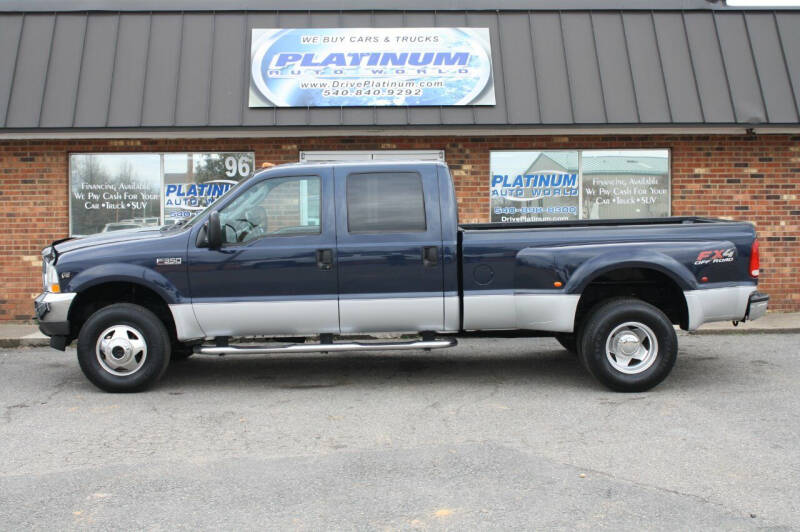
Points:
[(274, 274)]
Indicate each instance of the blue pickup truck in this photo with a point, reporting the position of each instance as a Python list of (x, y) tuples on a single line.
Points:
[(308, 254)]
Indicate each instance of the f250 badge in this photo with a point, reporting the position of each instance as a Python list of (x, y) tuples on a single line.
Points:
[(168, 261), (715, 256)]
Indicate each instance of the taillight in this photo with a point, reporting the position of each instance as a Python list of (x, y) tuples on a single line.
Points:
[(754, 259)]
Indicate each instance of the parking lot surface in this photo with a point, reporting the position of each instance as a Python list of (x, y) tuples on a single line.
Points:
[(497, 433)]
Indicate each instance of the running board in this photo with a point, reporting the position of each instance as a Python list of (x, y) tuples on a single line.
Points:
[(327, 348)]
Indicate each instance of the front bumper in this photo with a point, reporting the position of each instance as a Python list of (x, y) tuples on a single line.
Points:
[(52, 311)]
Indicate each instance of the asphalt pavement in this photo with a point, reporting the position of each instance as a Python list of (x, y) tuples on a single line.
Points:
[(495, 434)]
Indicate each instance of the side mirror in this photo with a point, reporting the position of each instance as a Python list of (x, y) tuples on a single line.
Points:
[(214, 231)]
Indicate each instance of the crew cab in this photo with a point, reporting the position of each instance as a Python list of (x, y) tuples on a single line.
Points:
[(311, 253)]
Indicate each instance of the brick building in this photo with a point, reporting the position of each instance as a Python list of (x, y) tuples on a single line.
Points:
[(159, 91)]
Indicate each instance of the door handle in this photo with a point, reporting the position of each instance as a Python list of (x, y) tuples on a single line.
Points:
[(324, 259), (430, 256)]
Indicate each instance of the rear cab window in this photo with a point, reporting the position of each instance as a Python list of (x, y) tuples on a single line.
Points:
[(385, 202)]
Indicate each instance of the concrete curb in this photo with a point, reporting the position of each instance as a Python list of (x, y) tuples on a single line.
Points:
[(24, 342)]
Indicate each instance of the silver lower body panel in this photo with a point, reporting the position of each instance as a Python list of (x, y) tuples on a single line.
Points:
[(264, 318), (186, 324), (391, 314), (288, 317), (728, 303), (519, 310)]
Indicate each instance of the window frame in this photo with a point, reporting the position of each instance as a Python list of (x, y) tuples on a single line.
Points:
[(386, 231)]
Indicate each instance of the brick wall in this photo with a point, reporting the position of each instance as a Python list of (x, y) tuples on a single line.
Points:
[(754, 178)]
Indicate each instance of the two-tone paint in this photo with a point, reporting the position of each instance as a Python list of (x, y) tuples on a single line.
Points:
[(483, 276), (533, 276)]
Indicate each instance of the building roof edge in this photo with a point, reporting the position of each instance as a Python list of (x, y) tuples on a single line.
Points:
[(366, 5)]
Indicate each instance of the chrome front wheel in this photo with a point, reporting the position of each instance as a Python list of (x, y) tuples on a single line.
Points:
[(121, 350)]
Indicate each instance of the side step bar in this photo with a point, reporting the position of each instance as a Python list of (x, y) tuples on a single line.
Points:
[(316, 348)]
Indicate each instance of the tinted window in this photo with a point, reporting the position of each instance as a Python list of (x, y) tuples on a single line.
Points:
[(385, 202)]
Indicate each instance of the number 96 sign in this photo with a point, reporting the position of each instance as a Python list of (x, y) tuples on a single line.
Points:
[(238, 166)]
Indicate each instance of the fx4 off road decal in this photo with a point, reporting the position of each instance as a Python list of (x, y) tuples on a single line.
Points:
[(715, 256)]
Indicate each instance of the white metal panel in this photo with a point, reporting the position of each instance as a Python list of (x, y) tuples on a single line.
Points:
[(366, 155)]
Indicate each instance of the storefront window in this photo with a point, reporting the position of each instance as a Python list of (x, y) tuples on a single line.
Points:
[(531, 186), (625, 184), (112, 192)]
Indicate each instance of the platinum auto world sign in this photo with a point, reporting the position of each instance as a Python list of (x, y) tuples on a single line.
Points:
[(333, 67)]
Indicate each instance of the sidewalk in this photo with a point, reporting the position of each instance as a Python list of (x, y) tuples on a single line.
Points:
[(21, 334), (27, 334), (773, 322)]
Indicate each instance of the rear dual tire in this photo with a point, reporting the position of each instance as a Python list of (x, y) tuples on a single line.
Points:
[(627, 344)]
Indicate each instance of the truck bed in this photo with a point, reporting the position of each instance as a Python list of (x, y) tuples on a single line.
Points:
[(532, 274)]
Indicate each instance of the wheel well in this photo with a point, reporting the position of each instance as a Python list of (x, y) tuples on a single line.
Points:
[(96, 297), (646, 284)]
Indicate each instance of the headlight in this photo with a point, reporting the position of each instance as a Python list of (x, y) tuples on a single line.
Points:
[(49, 275)]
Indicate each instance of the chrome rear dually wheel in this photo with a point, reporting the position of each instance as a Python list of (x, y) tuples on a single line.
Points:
[(628, 345), (631, 347)]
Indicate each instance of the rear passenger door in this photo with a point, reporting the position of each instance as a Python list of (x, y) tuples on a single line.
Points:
[(389, 248)]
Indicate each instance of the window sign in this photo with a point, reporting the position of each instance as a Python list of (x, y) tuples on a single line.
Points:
[(625, 184), (116, 191), (111, 192), (192, 181), (533, 186)]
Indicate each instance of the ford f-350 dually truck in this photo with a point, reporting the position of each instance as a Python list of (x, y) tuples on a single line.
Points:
[(312, 252)]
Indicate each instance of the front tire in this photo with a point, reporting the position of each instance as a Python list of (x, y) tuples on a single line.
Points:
[(123, 348), (628, 345)]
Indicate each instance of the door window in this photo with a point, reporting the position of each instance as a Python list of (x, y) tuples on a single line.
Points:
[(283, 206), (386, 202)]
